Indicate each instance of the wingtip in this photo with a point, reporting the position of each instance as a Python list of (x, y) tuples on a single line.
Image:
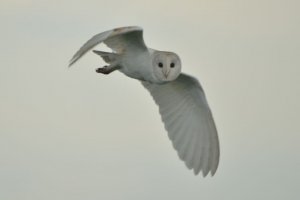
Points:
[(195, 172), (71, 62), (204, 174), (213, 171)]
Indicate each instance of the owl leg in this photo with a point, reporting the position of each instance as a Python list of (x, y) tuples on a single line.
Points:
[(107, 69)]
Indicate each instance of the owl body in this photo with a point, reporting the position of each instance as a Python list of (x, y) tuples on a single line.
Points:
[(138, 65)]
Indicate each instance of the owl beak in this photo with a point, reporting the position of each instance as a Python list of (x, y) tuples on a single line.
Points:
[(166, 73)]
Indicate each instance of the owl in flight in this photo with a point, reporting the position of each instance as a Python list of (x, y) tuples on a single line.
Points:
[(181, 100)]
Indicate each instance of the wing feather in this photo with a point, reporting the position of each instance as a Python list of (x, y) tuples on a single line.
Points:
[(189, 122), (119, 40)]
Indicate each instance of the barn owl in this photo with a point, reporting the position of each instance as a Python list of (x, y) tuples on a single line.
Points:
[(181, 100)]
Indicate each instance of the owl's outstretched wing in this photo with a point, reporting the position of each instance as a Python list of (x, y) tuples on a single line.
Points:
[(119, 40), (189, 122)]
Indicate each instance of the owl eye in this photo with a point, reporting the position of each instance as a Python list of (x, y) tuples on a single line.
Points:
[(160, 65), (172, 65)]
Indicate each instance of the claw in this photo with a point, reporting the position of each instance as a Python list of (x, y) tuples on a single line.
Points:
[(103, 70)]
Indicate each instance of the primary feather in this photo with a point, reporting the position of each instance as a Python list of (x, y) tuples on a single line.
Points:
[(189, 122)]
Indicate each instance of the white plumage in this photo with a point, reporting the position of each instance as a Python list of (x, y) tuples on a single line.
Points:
[(181, 100)]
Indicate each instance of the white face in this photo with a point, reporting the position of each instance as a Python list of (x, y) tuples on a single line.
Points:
[(167, 66)]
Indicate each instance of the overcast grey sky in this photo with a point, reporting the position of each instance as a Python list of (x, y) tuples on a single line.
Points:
[(74, 134)]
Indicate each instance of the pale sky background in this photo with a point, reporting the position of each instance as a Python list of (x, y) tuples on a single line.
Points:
[(72, 134)]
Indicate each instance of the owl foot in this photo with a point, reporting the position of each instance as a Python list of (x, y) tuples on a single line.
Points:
[(104, 70), (107, 69)]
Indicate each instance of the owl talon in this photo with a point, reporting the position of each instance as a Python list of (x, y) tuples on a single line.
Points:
[(103, 70)]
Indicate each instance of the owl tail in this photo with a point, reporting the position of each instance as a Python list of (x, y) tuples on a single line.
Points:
[(106, 56)]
